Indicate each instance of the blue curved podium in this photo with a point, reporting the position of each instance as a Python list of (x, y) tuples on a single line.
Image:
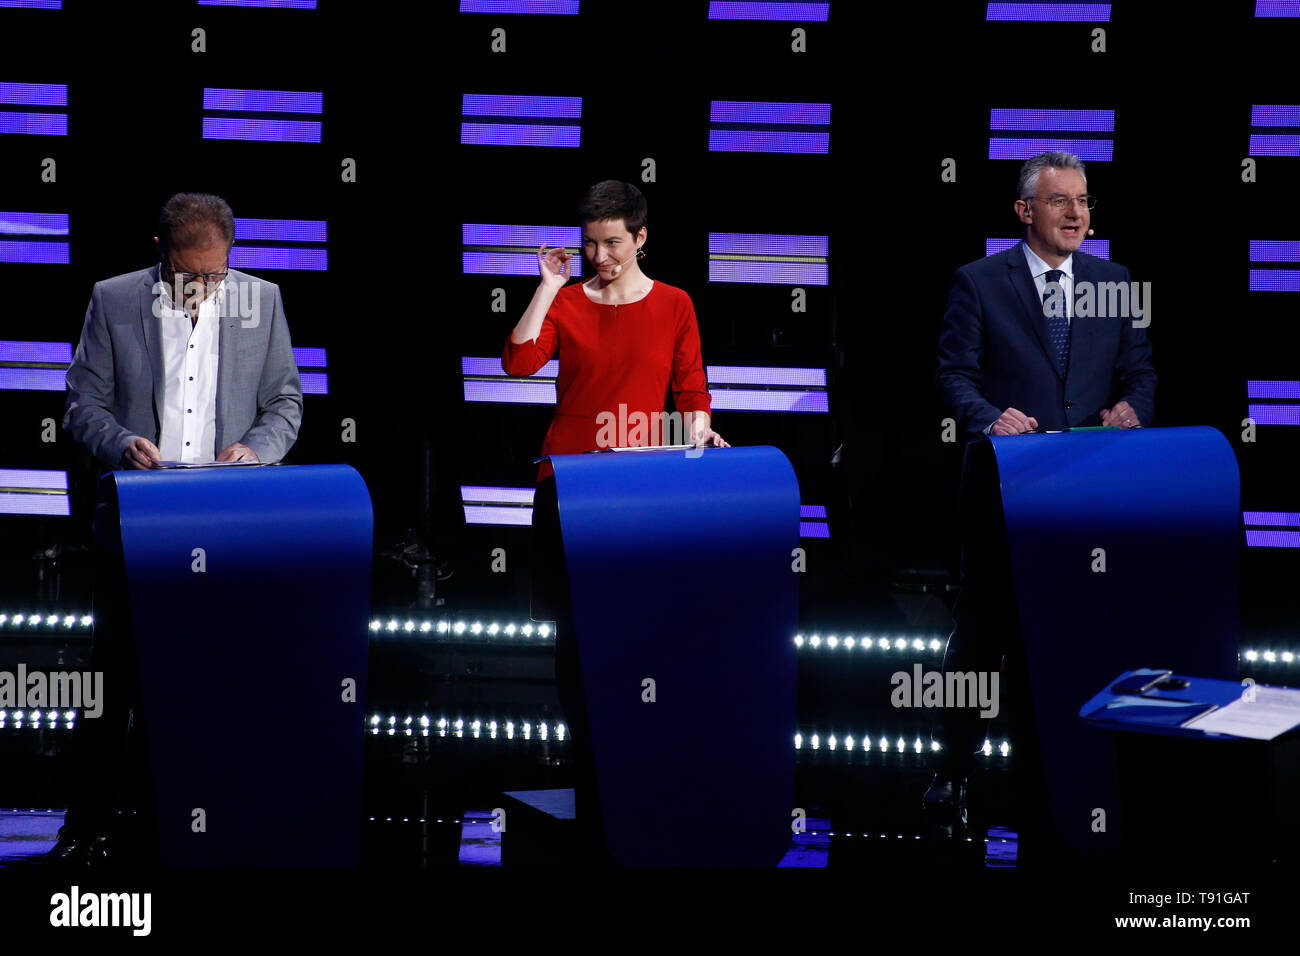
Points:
[(1121, 549), (249, 591), (684, 607)]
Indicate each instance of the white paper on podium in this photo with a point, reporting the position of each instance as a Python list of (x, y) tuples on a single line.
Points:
[(1273, 711), (653, 448), (202, 464)]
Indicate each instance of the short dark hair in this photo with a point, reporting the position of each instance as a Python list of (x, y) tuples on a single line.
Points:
[(189, 220), (614, 200)]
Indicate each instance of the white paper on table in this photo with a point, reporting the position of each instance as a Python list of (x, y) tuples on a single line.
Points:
[(653, 448), (1274, 711), (201, 464)]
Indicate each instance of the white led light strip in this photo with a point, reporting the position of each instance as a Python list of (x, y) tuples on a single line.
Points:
[(474, 629), (883, 744), (867, 642), (36, 719), (476, 728), (57, 621), (66, 622)]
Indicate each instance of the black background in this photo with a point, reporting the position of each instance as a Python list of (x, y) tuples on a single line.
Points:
[(910, 85)]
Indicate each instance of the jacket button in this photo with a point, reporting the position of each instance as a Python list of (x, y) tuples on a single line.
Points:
[(1069, 404)]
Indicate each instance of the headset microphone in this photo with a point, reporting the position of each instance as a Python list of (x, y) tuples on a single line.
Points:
[(1090, 232), (619, 267)]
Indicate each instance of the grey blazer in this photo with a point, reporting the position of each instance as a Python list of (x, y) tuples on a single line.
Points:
[(115, 382)]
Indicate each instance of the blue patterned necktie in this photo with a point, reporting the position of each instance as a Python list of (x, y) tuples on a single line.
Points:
[(1058, 326)]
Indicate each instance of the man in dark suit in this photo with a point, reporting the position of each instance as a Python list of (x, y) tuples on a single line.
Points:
[(1023, 348)]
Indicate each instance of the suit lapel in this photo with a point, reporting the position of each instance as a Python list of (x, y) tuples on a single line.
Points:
[(1082, 331), (226, 359), (151, 328), (1031, 306)]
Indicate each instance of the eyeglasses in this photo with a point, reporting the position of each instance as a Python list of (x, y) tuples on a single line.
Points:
[(1062, 202), (205, 278)]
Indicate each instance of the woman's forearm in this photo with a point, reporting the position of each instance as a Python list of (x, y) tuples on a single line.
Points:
[(530, 325)]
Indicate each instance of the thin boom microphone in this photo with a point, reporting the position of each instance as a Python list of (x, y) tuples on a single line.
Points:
[(619, 267)]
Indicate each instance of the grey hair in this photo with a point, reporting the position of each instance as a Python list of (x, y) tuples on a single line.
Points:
[(1028, 184)]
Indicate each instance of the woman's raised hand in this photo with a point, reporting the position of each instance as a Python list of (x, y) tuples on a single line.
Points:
[(554, 266)]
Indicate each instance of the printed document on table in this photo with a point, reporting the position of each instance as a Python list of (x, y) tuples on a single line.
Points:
[(1274, 711), (201, 464)]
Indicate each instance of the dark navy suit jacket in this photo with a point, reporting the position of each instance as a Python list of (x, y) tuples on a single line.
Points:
[(994, 350)]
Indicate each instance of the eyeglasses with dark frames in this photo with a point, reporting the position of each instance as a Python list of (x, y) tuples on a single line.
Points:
[(205, 278)]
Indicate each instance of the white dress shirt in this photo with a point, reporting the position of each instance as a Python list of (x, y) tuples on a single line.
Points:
[(1039, 269), (189, 424)]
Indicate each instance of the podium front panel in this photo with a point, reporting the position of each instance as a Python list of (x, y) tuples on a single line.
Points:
[(250, 596), (1123, 548), (681, 569)]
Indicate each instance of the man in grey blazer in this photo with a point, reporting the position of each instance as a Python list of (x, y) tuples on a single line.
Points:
[(188, 361), (133, 362)]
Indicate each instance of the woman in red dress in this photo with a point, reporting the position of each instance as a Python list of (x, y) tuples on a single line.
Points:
[(621, 338)]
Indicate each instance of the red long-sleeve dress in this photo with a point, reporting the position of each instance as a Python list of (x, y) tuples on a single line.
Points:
[(611, 355)]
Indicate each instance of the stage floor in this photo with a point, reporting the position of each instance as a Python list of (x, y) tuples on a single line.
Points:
[(29, 832)]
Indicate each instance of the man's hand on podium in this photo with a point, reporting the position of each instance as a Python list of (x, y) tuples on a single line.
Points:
[(237, 452), (141, 454), (1013, 422), (1121, 416)]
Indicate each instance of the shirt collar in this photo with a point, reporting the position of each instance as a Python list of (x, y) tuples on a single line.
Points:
[(1038, 267)]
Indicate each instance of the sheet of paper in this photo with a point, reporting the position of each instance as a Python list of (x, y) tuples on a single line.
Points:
[(1273, 711), (201, 464), (653, 448)]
